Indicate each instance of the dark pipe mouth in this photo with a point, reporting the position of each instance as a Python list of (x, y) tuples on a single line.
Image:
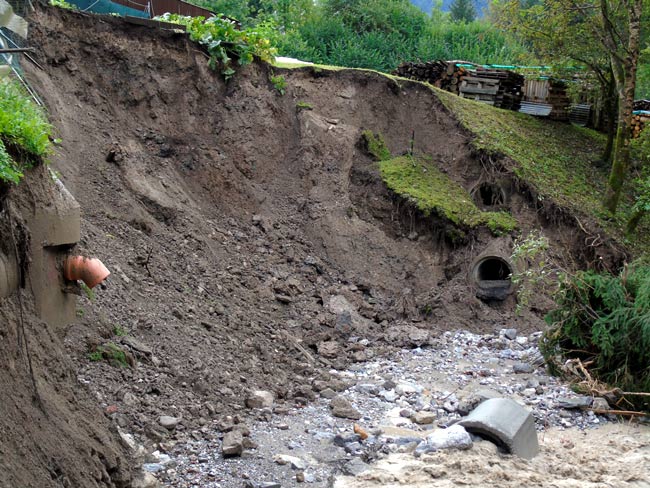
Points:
[(489, 194), (493, 278)]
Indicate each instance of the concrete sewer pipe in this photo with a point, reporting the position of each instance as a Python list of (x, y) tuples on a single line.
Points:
[(491, 274)]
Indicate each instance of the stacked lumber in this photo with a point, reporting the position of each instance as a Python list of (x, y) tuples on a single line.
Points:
[(439, 73), (559, 100), (639, 121), (501, 88)]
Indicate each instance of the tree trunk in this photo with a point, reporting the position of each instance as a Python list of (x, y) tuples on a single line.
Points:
[(611, 106), (624, 67), (634, 222)]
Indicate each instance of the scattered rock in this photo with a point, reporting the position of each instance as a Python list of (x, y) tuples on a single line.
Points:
[(523, 368), (600, 404), (260, 399), (233, 444), (295, 462), (424, 418), (328, 393), (455, 437), (342, 408), (355, 467), (510, 334), (578, 402), (169, 422), (341, 440)]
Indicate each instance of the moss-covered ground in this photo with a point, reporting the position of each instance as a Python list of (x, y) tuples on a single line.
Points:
[(434, 193), (559, 160)]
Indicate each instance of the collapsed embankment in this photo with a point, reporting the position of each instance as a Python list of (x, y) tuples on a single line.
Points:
[(252, 241)]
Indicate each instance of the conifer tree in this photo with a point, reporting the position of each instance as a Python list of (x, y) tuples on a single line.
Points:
[(462, 11)]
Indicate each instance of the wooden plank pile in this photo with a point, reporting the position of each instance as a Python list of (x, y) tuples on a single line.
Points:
[(559, 100), (501, 88)]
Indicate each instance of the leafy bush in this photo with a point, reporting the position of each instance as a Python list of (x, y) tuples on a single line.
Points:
[(604, 320), (23, 128), (224, 42)]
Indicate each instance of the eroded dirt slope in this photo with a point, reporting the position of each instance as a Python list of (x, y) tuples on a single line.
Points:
[(52, 434), (251, 241)]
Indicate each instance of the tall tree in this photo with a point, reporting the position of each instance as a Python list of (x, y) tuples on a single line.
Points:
[(602, 34), (462, 11), (621, 37)]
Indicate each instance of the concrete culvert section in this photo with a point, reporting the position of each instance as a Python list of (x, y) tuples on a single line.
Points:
[(492, 277)]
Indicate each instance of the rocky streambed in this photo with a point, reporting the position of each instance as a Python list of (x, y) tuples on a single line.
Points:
[(363, 428)]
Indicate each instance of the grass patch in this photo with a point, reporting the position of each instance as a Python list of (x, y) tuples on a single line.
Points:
[(558, 160), (434, 193), (110, 352), (24, 131), (279, 83), (375, 145), (304, 106)]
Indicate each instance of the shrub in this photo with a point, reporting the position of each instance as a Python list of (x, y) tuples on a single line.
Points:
[(604, 320), (24, 131), (224, 42)]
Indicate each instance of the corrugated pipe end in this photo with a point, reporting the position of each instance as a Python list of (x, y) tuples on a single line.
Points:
[(89, 270)]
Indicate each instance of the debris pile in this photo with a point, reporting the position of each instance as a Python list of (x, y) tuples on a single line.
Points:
[(420, 401)]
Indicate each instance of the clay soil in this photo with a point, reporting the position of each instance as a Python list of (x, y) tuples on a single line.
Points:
[(251, 241)]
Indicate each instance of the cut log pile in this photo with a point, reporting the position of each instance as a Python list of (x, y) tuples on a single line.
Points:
[(641, 117), (439, 73), (639, 122), (501, 88)]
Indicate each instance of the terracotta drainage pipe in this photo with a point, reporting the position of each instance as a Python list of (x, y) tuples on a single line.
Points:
[(89, 270), (9, 276)]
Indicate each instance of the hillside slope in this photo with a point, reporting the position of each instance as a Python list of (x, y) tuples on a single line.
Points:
[(252, 241)]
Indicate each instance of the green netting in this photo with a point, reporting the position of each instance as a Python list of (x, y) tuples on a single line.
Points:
[(108, 7)]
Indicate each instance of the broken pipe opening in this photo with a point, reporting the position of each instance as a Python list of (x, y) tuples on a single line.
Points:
[(492, 277)]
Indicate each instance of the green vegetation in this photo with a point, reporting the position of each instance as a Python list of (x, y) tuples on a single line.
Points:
[(279, 83), (304, 105), (534, 272), (604, 320), (109, 352), (559, 161), (24, 131), (433, 193), (119, 331), (373, 34), (375, 146), (90, 294), (462, 11), (63, 4), (225, 43)]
